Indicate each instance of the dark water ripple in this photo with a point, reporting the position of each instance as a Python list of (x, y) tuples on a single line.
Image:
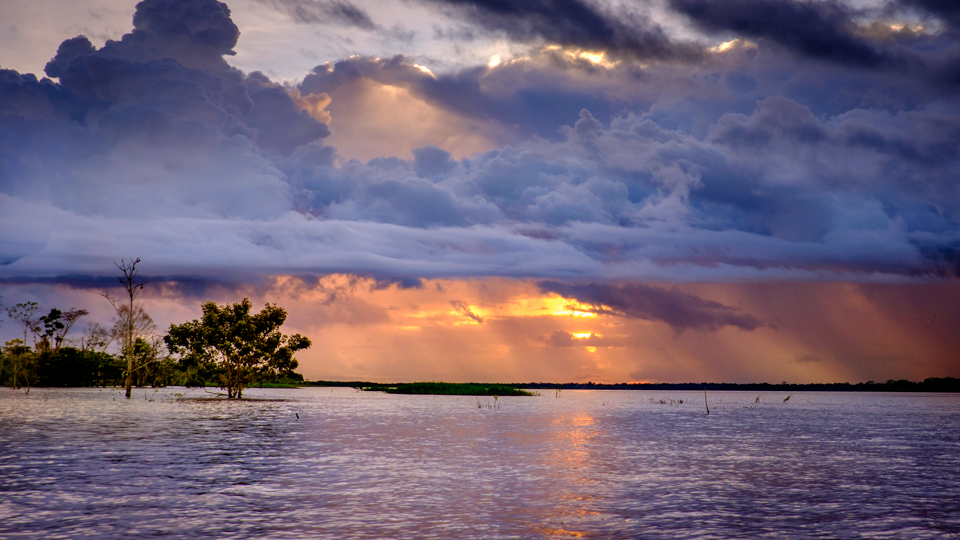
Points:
[(85, 463)]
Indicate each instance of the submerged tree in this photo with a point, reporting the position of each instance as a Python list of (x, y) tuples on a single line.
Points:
[(23, 361), (147, 345), (235, 345), (127, 313), (20, 355)]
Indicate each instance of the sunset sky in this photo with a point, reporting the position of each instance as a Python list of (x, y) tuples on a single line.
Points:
[(487, 190)]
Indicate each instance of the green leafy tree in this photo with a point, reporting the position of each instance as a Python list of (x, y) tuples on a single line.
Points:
[(235, 345), (151, 365), (69, 366), (20, 355), (24, 363), (48, 326)]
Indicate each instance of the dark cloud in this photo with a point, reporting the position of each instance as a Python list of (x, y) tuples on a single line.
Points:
[(381, 283), (320, 11), (463, 309), (280, 125), (204, 23), (574, 23), (680, 310), (69, 49), (821, 30)]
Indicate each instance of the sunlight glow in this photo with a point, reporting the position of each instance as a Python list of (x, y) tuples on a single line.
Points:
[(536, 306), (424, 69), (570, 308), (726, 45), (916, 28), (494, 61), (594, 57), (733, 44), (581, 335)]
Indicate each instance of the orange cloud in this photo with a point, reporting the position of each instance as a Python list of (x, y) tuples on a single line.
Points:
[(367, 330)]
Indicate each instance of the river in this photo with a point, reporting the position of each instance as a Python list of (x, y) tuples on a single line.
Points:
[(334, 463)]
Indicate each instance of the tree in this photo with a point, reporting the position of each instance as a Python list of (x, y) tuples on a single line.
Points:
[(20, 355), (147, 345), (48, 325), (129, 328), (24, 314), (127, 313), (95, 338), (69, 318), (24, 362), (235, 345)]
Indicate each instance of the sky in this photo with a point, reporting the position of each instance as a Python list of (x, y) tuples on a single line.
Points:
[(486, 190)]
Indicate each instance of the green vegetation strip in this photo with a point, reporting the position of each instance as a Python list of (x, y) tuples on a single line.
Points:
[(449, 389)]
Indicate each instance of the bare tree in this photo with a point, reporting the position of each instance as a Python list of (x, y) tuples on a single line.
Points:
[(147, 343), (69, 318), (126, 313), (95, 338), (24, 313)]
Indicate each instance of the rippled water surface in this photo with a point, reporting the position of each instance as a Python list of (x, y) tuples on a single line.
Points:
[(86, 463)]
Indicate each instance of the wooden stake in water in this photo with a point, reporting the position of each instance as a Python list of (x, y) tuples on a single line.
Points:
[(705, 399)]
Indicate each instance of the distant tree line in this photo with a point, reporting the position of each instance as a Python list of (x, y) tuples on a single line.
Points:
[(932, 384), (229, 347)]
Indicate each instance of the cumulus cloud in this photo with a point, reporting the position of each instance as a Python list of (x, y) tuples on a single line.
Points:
[(156, 124), (758, 162)]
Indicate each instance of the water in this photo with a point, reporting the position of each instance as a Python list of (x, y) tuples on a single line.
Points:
[(86, 463)]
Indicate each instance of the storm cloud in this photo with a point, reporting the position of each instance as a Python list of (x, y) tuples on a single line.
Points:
[(821, 30), (574, 23), (803, 149)]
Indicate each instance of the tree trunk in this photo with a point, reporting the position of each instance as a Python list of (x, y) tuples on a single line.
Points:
[(129, 381), (130, 315)]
